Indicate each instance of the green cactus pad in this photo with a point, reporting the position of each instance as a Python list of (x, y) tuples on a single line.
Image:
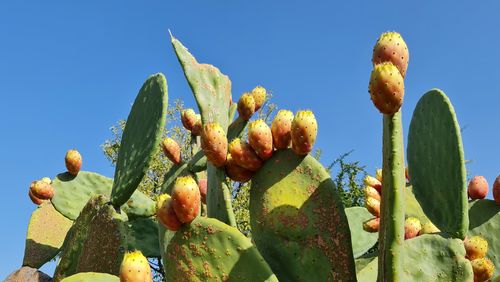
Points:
[(141, 138), (143, 236), (484, 216), (75, 239), (436, 163), (232, 111), (429, 257), (92, 276), (298, 221), (412, 207), (46, 232), (365, 260), (209, 250), (72, 193), (361, 240), (236, 128), (198, 162), (175, 171)]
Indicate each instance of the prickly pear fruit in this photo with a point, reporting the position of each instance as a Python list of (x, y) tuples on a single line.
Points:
[(214, 144), (166, 214), (42, 190), (412, 227), (73, 161), (135, 267), (188, 119), (373, 206), (236, 172), (203, 184), (186, 199), (475, 247), (261, 139), (371, 192), (372, 225), (391, 47), (197, 127), (259, 94), (378, 175), (246, 106), (243, 155), (46, 180), (172, 150), (496, 190), (281, 129), (373, 182), (304, 132), (428, 228), (478, 188), (483, 269), (34, 199), (407, 175), (386, 88)]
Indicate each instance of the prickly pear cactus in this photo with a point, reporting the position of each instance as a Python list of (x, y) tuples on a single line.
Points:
[(361, 240), (209, 250), (46, 232), (143, 236), (73, 192), (140, 138), (436, 163), (92, 276), (484, 217), (298, 221)]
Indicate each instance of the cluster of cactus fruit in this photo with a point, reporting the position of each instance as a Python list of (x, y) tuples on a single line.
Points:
[(426, 230)]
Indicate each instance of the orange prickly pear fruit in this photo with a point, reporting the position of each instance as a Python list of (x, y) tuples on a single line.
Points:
[(386, 88), (73, 161), (203, 184), (483, 269), (259, 94), (373, 182), (371, 192), (281, 129), (372, 225), (475, 247), (188, 119), (261, 139), (478, 188), (214, 144), (304, 132), (246, 106), (166, 214), (42, 190), (236, 172), (186, 198), (373, 206), (412, 227), (172, 150), (391, 47), (244, 156), (496, 190)]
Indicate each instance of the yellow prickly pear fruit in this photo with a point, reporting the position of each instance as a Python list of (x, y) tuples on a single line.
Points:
[(304, 132), (246, 106), (372, 225), (386, 88), (412, 227), (373, 182), (371, 192), (135, 268), (259, 95), (373, 206), (429, 228), (378, 174), (483, 269), (475, 247), (281, 129)]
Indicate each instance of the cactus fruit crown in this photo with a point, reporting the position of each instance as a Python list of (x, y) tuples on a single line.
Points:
[(386, 88)]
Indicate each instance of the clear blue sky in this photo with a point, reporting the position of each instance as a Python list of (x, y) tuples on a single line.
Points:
[(70, 71)]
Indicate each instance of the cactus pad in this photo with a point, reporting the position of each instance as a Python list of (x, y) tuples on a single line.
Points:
[(436, 163), (209, 250), (46, 232), (298, 221), (72, 193), (361, 240), (91, 276), (143, 236), (141, 138), (484, 217)]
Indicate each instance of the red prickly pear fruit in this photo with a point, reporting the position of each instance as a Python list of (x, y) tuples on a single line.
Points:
[(166, 214), (261, 139), (412, 227), (281, 129), (475, 247), (478, 188), (378, 175), (386, 88), (135, 267), (391, 47), (407, 175), (42, 190), (428, 228), (243, 155), (188, 119), (34, 199), (373, 206), (172, 150), (259, 95), (373, 182), (246, 106), (304, 132), (197, 127), (214, 144), (496, 190), (186, 199), (73, 161), (371, 192), (372, 225), (236, 172), (203, 184), (483, 269)]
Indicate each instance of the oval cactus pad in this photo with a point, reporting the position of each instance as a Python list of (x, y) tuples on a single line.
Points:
[(141, 138), (298, 221), (361, 240), (209, 250), (436, 163), (91, 276)]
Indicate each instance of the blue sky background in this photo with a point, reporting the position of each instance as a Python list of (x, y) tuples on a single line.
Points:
[(70, 71)]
